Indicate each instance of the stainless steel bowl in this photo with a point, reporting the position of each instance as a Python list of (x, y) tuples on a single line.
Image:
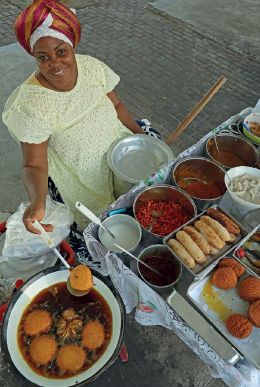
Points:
[(207, 170), (134, 158), (163, 193), (160, 251), (237, 145)]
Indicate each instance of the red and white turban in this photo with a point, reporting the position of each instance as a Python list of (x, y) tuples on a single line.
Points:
[(47, 18)]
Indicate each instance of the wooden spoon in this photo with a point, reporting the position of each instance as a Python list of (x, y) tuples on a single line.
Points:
[(156, 215)]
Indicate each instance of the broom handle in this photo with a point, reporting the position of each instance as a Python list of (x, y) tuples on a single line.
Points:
[(196, 110)]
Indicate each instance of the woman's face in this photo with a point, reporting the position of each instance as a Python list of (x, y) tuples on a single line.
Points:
[(56, 62)]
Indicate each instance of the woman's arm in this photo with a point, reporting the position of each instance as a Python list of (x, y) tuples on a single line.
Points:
[(35, 179), (123, 114)]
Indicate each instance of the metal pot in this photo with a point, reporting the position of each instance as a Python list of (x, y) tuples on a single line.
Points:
[(209, 170), (21, 300), (160, 251), (234, 144), (163, 193), (134, 158)]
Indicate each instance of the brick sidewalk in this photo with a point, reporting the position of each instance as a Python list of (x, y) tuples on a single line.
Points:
[(165, 68)]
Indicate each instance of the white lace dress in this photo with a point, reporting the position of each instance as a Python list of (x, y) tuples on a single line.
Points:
[(81, 125)]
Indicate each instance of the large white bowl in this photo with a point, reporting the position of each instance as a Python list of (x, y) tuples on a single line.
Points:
[(238, 171), (15, 310)]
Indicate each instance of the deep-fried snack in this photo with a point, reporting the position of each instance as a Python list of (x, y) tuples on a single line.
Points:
[(211, 236), (214, 251), (191, 247), (182, 253), (249, 289), (37, 322), (236, 266), (43, 349), (217, 227), (70, 358), (93, 335), (224, 278), (239, 326), (253, 313), (232, 238), (198, 239), (222, 219), (81, 278)]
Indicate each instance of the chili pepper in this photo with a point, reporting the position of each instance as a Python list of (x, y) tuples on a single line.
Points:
[(240, 253)]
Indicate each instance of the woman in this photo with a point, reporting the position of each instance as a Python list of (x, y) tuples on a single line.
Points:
[(65, 116)]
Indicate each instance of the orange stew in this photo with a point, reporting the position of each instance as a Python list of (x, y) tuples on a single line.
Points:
[(172, 218), (201, 190)]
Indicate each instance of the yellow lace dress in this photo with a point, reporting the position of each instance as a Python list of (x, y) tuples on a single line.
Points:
[(81, 124)]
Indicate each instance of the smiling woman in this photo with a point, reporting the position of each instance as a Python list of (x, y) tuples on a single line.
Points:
[(65, 116)]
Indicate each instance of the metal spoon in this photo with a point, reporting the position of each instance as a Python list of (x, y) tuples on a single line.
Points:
[(46, 239), (156, 215), (165, 277), (223, 166)]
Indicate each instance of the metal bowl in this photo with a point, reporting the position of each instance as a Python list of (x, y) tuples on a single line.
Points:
[(163, 193), (22, 299), (134, 158), (237, 145), (163, 252), (207, 170)]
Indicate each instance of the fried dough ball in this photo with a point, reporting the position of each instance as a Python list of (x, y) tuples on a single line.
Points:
[(253, 313), (249, 289), (37, 322), (236, 266), (43, 350), (239, 326), (93, 335), (81, 278), (225, 278), (70, 358)]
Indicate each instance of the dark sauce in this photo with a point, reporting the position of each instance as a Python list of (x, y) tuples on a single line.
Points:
[(56, 299), (162, 264)]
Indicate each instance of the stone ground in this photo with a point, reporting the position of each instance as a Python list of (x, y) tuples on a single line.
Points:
[(165, 69)]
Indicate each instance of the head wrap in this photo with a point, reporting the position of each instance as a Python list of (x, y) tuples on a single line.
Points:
[(46, 18)]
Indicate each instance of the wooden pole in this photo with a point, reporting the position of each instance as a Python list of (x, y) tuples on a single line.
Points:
[(196, 110)]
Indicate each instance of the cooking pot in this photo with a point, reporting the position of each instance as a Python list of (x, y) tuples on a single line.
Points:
[(23, 297), (134, 158)]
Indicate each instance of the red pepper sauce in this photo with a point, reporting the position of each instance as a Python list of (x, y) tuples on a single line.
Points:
[(55, 300), (164, 265)]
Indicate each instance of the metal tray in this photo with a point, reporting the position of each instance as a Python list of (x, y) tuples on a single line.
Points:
[(246, 263), (248, 347), (208, 333), (201, 270)]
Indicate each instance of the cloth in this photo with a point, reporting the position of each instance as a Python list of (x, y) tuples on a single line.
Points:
[(80, 124), (50, 15)]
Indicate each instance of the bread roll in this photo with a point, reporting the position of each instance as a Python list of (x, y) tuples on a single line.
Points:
[(209, 234), (217, 227), (191, 247), (214, 251), (198, 239), (182, 253), (232, 238), (222, 219)]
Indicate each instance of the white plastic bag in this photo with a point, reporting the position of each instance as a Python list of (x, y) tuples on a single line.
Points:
[(20, 243)]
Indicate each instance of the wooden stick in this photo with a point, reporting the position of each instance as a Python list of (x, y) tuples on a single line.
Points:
[(196, 110)]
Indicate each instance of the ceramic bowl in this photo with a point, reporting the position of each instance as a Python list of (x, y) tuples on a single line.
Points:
[(23, 297), (248, 121)]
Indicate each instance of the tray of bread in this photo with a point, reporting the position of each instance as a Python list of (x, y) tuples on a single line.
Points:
[(229, 297), (205, 239)]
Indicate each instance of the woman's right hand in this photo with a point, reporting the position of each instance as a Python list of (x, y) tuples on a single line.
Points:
[(32, 212)]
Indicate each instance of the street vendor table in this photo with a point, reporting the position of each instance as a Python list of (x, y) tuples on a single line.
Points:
[(151, 308)]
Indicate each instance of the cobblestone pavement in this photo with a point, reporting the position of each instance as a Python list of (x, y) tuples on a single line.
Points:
[(165, 68)]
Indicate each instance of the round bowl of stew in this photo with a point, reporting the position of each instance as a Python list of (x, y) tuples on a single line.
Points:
[(46, 293), (160, 259)]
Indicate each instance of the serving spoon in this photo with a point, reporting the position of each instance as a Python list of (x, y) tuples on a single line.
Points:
[(223, 166), (155, 215), (48, 241)]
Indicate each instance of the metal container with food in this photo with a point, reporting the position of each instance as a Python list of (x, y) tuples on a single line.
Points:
[(217, 305), (162, 193), (160, 259), (200, 270), (190, 171), (46, 281), (248, 251), (235, 150), (134, 158), (127, 232)]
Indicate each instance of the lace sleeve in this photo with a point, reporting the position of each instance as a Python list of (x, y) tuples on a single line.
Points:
[(111, 79)]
